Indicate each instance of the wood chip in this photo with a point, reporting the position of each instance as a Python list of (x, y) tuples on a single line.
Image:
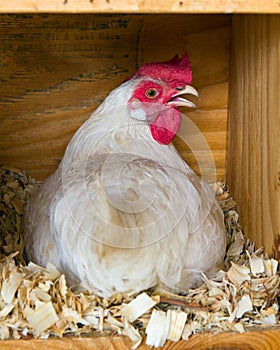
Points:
[(238, 274), (10, 286), (157, 328), (4, 332), (244, 305), (256, 265), (270, 267), (42, 318), (176, 324), (137, 307)]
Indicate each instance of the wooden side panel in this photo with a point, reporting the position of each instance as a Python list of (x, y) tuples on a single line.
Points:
[(258, 340), (253, 162), (136, 6), (56, 69)]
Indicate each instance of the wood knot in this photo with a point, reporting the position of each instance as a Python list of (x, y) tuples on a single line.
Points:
[(277, 182)]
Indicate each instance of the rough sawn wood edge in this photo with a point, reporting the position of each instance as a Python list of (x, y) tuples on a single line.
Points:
[(139, 6), (252, 340)]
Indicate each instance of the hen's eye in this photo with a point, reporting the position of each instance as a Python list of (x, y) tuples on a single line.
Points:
[(151, 93)]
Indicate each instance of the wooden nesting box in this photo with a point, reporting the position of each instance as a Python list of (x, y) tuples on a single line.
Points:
[(59, 60)]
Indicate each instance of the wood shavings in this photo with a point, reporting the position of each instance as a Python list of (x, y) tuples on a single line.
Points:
[(15, 190), (36, 301), (132, 333), (132, 311)]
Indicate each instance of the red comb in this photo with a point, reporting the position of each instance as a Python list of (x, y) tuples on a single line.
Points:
[(175, 72)]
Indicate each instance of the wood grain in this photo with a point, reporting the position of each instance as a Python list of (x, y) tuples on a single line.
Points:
[(56, 69), (138, 6), (253, 161), (262, 340)]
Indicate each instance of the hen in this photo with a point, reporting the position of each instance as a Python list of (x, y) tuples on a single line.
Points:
[(123, 212)]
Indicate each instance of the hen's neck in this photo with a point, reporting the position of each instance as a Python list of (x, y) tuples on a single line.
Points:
[(112, 130)]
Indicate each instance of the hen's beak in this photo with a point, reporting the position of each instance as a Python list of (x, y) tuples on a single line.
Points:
[(178, 101)]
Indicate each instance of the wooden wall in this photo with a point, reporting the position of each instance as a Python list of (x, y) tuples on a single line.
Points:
[(56, 69), (253, 161)]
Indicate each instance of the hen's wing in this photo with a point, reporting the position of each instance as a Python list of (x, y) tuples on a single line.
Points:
[(122, 222), (39, 244)]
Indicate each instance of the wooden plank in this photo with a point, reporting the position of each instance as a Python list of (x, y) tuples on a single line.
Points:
[(257, 340), (56, 69), (139, 6), (253, 161)]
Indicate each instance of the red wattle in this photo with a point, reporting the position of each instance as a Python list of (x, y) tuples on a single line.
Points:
[(165, 125)]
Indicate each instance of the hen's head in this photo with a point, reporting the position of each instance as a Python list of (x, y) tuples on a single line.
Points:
[(158, 95)]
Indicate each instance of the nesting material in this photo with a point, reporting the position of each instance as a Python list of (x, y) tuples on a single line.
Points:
[(157, 328), (138, 306), (177, 320), (15, 189), (36, 301)]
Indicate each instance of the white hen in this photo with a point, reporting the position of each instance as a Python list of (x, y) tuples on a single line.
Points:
[(123, 212)]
